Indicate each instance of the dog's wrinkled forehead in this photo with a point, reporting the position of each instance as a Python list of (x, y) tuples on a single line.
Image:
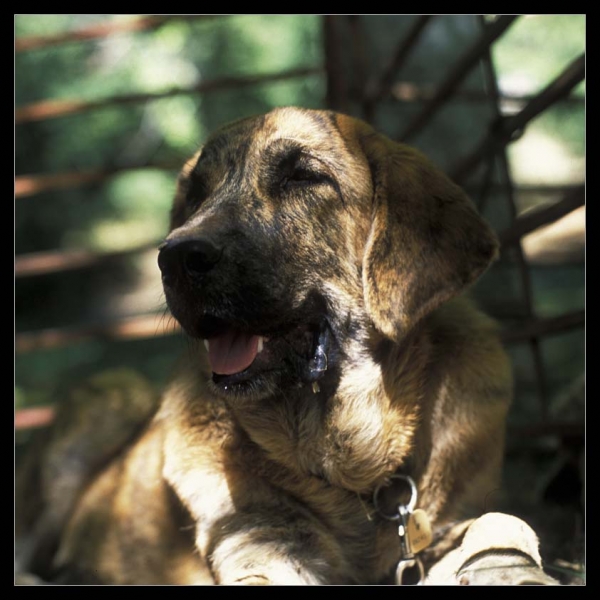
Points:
[(316, 127), (247, 139), (319, 129), (240, 160)]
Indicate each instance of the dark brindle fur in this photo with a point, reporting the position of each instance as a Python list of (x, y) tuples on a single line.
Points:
[(344, 254)]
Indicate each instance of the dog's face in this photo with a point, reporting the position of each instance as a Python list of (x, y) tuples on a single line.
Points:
[(298, 232)]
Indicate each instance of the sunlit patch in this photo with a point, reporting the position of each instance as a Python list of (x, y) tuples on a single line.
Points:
[(538, 158), (559, 242)]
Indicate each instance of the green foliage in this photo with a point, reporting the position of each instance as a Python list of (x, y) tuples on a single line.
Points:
[(529, 56), (180, 54), (139, 202), (536, 48)]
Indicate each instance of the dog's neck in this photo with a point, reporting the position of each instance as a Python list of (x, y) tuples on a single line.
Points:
[(360, 433)]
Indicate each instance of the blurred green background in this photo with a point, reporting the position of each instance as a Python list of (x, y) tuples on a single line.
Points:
[(190, 75)]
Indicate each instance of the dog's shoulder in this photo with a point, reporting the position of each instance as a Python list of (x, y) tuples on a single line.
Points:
[(468, 351), (469, 394)]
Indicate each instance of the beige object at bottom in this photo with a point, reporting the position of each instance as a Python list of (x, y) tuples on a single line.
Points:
[(497, 549)]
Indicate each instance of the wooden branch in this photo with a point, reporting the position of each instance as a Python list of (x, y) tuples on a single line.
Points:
[(409, 92), (336, 95), (30, 185), (460, 70), (380, 86), (51, 109), (43, 263), (31, 418), (506, 129), (360, 62), (544, 327), (145, 326), (98, 31), (543, 216)]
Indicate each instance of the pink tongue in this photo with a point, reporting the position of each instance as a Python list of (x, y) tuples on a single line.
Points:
[(232, 352)]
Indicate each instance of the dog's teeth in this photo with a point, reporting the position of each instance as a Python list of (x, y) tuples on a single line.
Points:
[(206, 344), (261, 343)]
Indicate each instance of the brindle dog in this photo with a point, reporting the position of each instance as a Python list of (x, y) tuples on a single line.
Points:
[(322, 264)]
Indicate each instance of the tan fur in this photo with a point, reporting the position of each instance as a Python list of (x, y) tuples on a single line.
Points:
[(282, 491)]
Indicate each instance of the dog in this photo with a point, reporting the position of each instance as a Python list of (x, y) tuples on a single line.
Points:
[(321, 270)]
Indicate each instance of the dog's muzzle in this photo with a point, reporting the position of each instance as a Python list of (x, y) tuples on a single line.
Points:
[(248, 334), (187, 259)]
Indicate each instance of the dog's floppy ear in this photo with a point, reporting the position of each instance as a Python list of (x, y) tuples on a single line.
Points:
[(426, 243)]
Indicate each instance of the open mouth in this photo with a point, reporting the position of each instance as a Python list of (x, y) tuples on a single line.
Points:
[(241, 359), (233, 351)]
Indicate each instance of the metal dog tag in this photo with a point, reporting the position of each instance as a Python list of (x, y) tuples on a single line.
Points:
[(418, 530), (410, 572), (414, 533)]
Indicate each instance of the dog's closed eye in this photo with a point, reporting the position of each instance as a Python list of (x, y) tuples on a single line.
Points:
[(300, 170), (302, 177)]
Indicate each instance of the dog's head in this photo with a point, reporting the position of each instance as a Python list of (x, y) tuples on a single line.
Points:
[(296, 231)]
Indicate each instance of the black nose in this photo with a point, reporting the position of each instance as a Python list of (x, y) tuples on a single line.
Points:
[(189, 258)]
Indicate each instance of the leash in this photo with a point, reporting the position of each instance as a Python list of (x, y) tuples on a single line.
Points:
[(414, 528)]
